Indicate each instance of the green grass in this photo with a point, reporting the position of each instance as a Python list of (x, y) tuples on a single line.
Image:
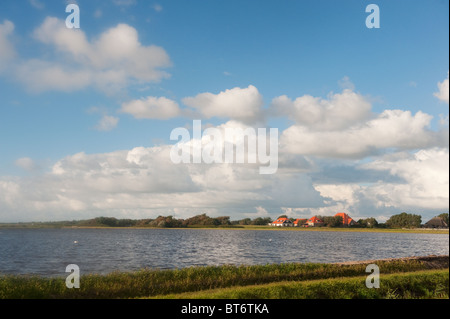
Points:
[(71, 224), (235, 281), (412, 285), (352, 229)]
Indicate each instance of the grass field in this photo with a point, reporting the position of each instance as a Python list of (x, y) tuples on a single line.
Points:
[(241, 227), (399, 278)]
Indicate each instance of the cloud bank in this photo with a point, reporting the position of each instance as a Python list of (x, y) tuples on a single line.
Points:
[(112, 61)]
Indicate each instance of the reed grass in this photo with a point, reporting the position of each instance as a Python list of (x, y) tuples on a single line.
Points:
[(148, 283), (428, 284)]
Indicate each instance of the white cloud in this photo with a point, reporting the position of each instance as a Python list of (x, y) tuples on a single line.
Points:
[(395, 129), (443, 90), (143, 182), (426, 179), (25, 163), (152, 107), (244, 105), (37, 4), (346, 84), (110, 62), (339, 111), (7, 52), (40, 75), (107, 123)]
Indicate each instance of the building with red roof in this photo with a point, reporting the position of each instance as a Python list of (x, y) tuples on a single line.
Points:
[(282, 222), (314, 221), (346, 220)]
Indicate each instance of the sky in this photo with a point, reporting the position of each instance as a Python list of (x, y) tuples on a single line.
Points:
[(86, 113)]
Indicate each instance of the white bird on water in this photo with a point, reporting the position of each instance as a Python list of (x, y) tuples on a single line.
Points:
[(75, 241)]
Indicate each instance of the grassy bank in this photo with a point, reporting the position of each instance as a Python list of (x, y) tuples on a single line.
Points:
[(239, 227), (426, 284), (413, 278), (351, 229)]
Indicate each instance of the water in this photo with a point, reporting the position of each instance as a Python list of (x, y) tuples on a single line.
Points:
[(47, 252)]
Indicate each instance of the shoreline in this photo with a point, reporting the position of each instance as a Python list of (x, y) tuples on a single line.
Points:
[(242, 227), (402, 278)]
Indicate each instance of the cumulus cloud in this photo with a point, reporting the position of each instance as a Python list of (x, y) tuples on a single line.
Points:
[(152, 107), (426, 179), (443, 90), (339, 111), (240, 104), (344, 126), (38, 75), (111, 61), (143, 182)]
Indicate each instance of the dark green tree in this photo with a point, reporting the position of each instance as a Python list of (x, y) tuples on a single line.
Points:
[(261, 221), (368, 222), (404, 220), (332, 221)]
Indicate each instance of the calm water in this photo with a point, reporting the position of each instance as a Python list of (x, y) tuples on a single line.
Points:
[(47, 252)]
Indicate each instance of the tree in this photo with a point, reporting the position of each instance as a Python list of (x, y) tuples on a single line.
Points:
[(368, 222), (222, 220), (166, 221), (332, 221), (261, 221), (199, 220), (404, 220), (245, 221), (107, 221)]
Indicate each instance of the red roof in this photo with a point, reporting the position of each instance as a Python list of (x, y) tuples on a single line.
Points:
[(346, 220), (314, 220), (280, 220)]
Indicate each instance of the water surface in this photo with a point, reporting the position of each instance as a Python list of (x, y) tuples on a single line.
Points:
[(47, 252)]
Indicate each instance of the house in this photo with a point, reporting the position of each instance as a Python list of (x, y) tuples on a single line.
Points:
[(436, 222), (300, 222), (282, 222), (314, 221), (346, 220)]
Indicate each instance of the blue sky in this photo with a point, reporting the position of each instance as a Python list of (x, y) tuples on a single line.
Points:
[(180, 49)]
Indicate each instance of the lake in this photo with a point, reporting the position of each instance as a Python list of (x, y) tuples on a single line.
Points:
[(47, 252)]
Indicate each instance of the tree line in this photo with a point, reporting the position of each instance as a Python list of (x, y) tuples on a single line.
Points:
[(402, 220), (172, 222)]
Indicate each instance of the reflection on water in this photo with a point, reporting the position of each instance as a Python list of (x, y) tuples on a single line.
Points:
[(48, 251)]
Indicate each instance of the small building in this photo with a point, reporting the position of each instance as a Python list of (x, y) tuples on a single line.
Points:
[(282, 222), (346, 220), (314, 221), (436, 222), (300, 222)]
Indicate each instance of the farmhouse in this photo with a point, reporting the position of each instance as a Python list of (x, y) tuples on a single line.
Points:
[(282, 222), (314, 221), (436, 222), (311, 222), (346, 220)]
